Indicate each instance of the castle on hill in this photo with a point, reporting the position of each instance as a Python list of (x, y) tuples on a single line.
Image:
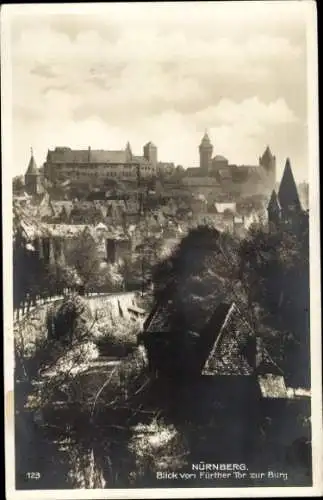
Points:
[(215, 178), (231, 179), (94, 166)]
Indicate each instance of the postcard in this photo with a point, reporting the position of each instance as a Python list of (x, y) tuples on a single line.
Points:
[(161, 235)]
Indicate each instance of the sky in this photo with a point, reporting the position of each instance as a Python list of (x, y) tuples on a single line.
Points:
[(163, 73)]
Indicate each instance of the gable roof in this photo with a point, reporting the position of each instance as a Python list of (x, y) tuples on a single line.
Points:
[(227, 356), (218, 346)]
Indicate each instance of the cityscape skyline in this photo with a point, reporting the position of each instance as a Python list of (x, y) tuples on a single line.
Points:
[(140, 75)]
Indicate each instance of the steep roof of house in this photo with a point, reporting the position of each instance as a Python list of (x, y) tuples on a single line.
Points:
[(226, 356), (218, 345), (287, 193)]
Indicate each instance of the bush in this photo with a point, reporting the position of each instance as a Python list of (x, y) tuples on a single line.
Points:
[(117, 337), (70, 320)]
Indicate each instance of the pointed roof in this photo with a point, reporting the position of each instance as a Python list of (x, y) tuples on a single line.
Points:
[(267, 153), (32, 167), (287, 193), (205, 139), (274, 204), (128, 152), (266, 157)]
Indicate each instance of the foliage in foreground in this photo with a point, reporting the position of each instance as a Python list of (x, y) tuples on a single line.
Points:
[(266, 275)]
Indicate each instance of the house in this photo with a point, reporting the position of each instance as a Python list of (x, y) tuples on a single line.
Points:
[(224, 347)]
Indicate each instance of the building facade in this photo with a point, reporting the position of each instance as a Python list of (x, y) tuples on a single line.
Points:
[(95, 166)]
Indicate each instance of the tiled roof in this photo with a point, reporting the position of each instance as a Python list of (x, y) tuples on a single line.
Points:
[(227, 357), (218, 344)]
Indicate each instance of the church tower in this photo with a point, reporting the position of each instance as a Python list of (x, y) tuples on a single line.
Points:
[(206, 150), (268, 162), (32, 177)]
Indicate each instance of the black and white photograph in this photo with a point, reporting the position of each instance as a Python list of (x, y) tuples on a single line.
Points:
[(161, 250)]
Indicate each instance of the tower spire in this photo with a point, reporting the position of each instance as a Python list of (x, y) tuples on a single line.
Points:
[(288, 194), (205, 150)]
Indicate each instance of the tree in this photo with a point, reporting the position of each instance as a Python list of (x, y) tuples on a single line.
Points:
[(266, 275), (195, 275), (83, 256), (18, 184), (275, 268)]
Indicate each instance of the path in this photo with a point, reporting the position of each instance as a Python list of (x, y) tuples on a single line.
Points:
[(122, 301)]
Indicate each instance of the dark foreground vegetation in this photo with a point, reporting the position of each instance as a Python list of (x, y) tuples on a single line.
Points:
[(90, 415)]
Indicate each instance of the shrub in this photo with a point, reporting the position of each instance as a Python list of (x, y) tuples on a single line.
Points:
[(71, 319)]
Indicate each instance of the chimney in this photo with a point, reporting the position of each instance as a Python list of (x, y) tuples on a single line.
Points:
[(89, 154)]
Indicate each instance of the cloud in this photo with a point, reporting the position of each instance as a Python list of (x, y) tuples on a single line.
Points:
[(249, 112), (149, 73)]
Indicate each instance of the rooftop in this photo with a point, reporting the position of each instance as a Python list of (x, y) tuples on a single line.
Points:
[(68, 155)]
